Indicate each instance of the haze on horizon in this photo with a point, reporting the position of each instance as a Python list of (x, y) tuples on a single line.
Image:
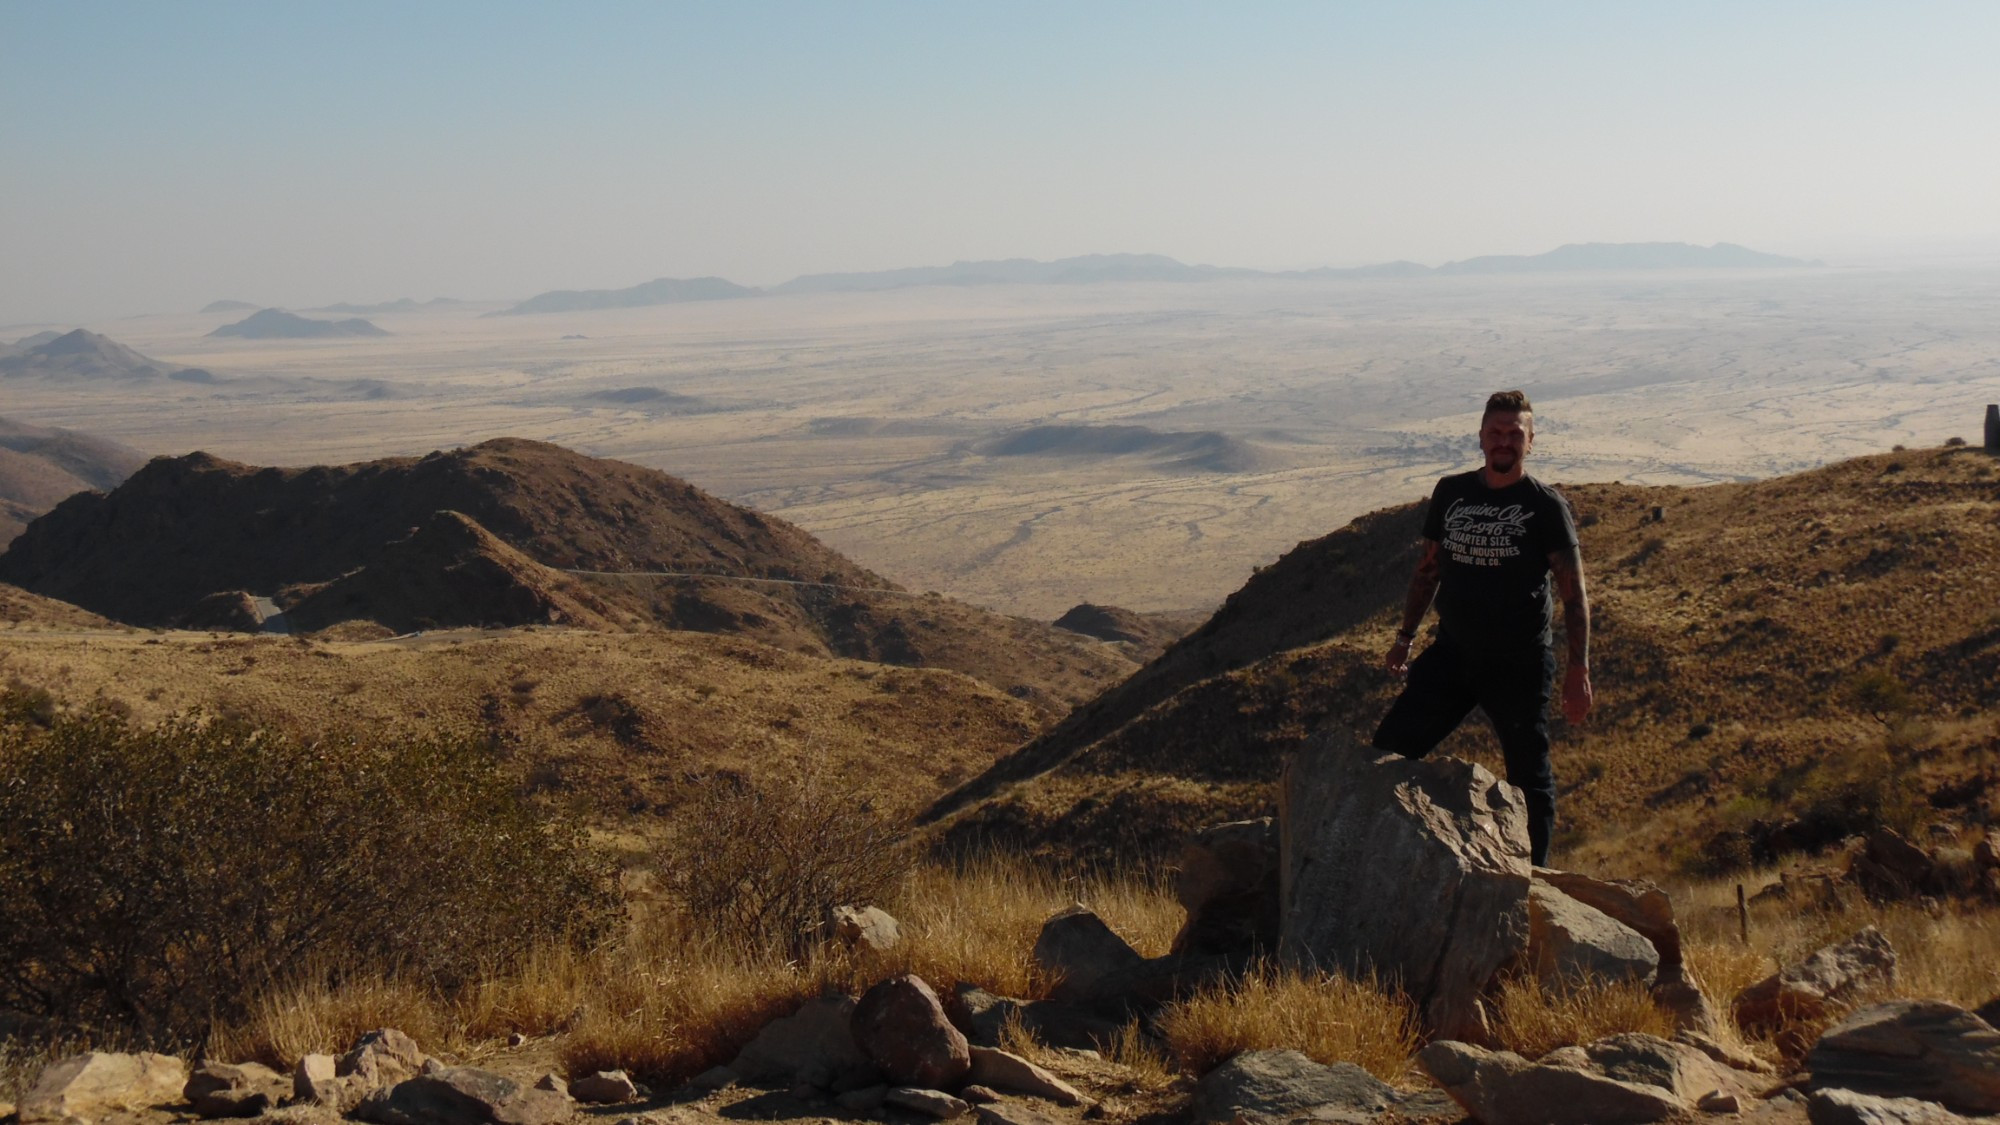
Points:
[(160, 157)]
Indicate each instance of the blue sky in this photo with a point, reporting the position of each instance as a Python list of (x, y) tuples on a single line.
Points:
[(157, 156)]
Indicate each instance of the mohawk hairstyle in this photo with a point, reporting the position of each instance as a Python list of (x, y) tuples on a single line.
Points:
[(1506, 402)]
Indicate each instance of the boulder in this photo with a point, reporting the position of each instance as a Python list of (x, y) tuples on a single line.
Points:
[(1845, 1107), (867, 1099), (606, 1087), (814, 1045), (1812, 989), (234, 1089), (317, 1081), (1924, 1049), (1624, 1079), (901, 1027), (1004, 1070), (1413, 870), (978, 1095), (1279, 1086), (1888, 867), (382, 1057), (1227, 882), (1017, 1113), (1635, 903), (1718, 1051), (982, 1017), (555, 1083), (932, 1103), (717, 1078), (463, 1095), (1989, 1011), (864, 928), (96, 1084), (1570, 942), (1075, 949)]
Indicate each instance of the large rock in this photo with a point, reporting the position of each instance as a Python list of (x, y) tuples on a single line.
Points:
[(868, 929), (1075, 949), (1570, 943), (983, 1018), (931, 1103), (900, 1025), (382, 1057), (814, 1045), (317, 1081), (1813, 988), (462, 1095), (1888, 867), (234, 1089), (1228, 884), (1415, 870), (1624, 1079), (91, 1086), (1279, 1086), (1845, 1107), (1925, 1049), (1004, 1070), (606, 1087), (1635, 903)]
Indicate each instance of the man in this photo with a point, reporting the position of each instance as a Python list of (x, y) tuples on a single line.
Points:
[(1492, 538)]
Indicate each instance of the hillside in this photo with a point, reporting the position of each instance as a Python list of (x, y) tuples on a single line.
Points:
[(367, 541), (277, 324), (660, 291), (40, 465), (82, 354), (1778, 660)]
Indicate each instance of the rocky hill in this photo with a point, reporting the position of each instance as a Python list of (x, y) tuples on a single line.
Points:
[(82, 354), (1777, 663), (659, 291), (486, 535), (277, 324), (40, 465)]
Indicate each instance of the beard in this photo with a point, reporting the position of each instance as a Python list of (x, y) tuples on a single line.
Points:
[(1503, 462)]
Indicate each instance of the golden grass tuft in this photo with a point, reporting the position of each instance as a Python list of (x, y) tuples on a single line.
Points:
[(1532, 1019), (1328, 1018), (291, 1022)]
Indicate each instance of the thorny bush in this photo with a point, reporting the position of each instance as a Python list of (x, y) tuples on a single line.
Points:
[(158, 879)]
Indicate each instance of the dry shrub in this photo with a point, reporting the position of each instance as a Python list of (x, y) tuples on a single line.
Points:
[(1147, 1065), (762, 866), (315, 1016), (1531, 1020), (1329, 1018), (159, 879)]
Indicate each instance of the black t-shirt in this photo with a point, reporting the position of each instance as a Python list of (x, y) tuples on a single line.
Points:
[(1493, 592)]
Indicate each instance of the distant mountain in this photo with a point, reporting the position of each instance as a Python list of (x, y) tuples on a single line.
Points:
[(661, 291), (40, 465), (228, 307), (82, 354), (1579, 256), (1084, 270), (277, 324), (401, 305)]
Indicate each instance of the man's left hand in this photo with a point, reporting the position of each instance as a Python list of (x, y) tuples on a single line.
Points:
[(1577, 695)]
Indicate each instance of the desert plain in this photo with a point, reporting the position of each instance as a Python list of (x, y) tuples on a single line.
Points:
[(1029, 447)]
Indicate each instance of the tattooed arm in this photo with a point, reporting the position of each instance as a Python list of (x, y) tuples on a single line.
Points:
[(1423, 589), (1568, 567)]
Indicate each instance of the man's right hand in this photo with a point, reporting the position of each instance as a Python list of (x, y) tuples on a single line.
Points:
[(1397, 659)]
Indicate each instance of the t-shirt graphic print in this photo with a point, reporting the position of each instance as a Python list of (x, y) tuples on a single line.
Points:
[(1493, 590)]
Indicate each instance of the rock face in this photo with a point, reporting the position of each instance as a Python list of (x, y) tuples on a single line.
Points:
[(92, 1086), (382, 1057), (1614, 1081), (900, 1025), (814, 1045), (1285, 1085), (1811, 989), (1078, 950), (869, 928), (1845, 1107), (1228, 884), (462, 1095), (1925, 1049), (1416, 870), (235, 1089), (1570, 942)]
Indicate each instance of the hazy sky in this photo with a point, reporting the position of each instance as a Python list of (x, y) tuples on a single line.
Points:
[(155, 156)]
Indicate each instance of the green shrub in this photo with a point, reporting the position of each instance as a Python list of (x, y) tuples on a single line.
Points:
[(156, 880)]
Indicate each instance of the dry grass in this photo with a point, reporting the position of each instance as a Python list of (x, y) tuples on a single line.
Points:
[(1329, 1018), (1532, 1020), (669, 1000)]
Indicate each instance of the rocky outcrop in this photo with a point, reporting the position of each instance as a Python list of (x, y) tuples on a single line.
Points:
[(901, 1026), (1280, 1086), (1571, 942), (462, 1095), (1623, 1079), (1845, 1107), (1925, 1049), (1812, 989), (1227, 882), (982, 1017), (235, 1089), (1076, 950), (813, 1046), (1414, 870), (868, 929), (99, 1084)]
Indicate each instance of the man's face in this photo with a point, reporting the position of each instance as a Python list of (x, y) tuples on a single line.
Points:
[(1505, 438)]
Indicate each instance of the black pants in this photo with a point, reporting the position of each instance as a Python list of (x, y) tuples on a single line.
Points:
[(1513, 688)]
